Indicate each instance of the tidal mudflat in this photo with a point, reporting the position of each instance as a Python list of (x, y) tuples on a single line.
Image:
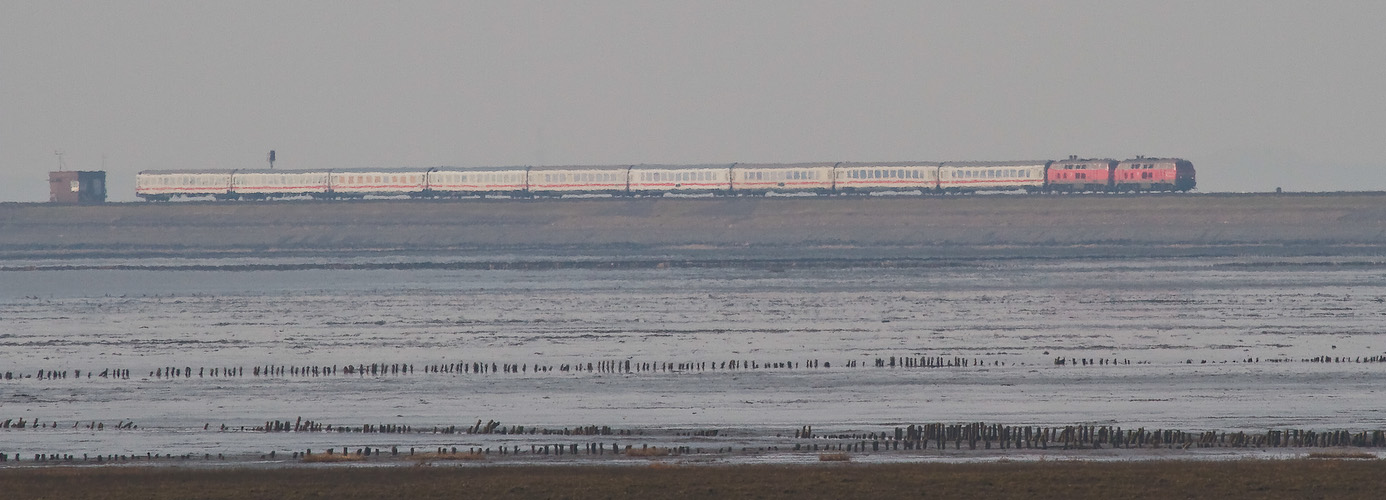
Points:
[(730, 363)]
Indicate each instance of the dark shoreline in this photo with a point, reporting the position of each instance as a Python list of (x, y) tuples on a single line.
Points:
[(1259, 479)]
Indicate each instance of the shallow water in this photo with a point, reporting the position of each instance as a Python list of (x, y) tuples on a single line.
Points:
[(1183, 343)]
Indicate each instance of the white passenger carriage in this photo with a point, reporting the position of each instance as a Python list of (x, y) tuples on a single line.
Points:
[(377, 182), (483, 181), (992, 176), (163, 185), (887, 176), (260, 184), (680, 179), (763, 178), (558, 181)]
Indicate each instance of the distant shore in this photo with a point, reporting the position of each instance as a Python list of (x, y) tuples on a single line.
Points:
[(1339, 478)]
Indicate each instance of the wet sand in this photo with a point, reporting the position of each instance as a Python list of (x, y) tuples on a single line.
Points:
[(1251, 479), (201, 330)]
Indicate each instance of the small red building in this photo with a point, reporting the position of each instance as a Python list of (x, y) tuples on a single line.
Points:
[(72, 186)]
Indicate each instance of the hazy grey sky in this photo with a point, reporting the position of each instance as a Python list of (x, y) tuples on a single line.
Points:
[(1257, 94)]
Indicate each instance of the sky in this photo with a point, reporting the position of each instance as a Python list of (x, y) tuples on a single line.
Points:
[(1257, 94)]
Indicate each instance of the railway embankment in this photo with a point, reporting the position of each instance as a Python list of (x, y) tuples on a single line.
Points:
[(885, 226)]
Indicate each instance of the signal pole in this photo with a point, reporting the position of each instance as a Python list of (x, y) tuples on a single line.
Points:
[(271, 158)]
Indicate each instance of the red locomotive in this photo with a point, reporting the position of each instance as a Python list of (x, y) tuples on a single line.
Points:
[(1077, 175), (1153, 174)]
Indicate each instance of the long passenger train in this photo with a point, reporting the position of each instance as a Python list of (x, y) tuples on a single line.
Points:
[(1139, 174)]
